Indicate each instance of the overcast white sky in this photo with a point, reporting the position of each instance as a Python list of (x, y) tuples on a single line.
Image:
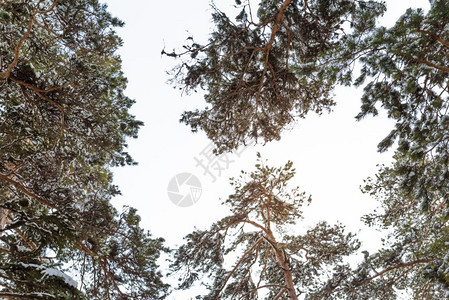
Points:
[(332, 153)]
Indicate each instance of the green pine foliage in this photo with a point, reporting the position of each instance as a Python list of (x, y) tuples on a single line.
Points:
[(280, 59), (263, 70), (64, 122), (414, 258), (409, 78), (407, 75), (252, 254)]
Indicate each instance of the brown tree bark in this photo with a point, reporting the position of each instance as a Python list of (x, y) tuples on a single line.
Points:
[(283, 262)]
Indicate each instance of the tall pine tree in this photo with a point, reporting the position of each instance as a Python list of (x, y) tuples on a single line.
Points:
[(64, 122), (253, 254), (408, 76), (281, 60), (414, 257)]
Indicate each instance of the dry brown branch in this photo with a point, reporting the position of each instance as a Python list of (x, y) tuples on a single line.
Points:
[(41, 94), (279, 295), (267, 254), (4, 219), (37, 90)]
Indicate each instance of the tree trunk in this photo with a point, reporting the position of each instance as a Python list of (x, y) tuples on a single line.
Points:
[(287, 274), (286, 268)]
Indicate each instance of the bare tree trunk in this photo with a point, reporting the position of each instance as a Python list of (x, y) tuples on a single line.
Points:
[(283, 262)]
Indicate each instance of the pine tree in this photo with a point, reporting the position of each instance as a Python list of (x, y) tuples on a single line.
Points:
[(414, 258), (407, 75), (409, 78), (64, 121), (263, 70), (251, 253), (260, 72)]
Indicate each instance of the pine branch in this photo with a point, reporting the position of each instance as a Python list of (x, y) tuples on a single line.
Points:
[(256, 244), (12, 295), (284, 288), (434, 36), (25, 190), (278, 20), (14, 63), (398, 266)]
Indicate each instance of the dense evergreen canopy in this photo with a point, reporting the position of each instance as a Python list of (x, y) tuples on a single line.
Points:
[(409, 78), (64, 121), (268, 67), (281, 59)]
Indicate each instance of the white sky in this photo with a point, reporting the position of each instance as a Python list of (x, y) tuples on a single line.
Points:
[(332, 153)]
